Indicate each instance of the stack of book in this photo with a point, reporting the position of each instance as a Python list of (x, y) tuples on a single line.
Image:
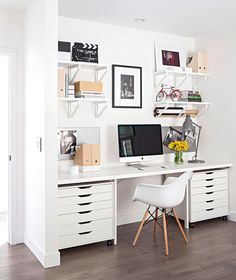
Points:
[(87, 89)]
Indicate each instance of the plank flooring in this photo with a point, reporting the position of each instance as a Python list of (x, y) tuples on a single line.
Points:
[(210, 254)]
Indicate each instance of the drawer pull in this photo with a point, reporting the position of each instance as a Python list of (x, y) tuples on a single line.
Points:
[(84, 195), (209, 173), (210, 186), (209, 201), (209, 192), (210, 209), (86, 203), (85, 187), (86, 232), (209, 179), (84, 212), (83, 223)]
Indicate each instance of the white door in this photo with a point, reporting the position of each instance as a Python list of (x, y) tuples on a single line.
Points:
[(7, 163)]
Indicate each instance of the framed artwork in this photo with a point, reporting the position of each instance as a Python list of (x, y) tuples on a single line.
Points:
[(169, 55), (126, 86), (69, 138)]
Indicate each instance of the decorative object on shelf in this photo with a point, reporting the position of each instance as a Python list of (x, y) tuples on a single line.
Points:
[(169, 56), (198, 62), (170, 111), (64, 51), (194, 96), (85, 52), (169, 92), (126, 86), (88, 89), (66, 143), (178, 147), (61, 83), (189, 127)]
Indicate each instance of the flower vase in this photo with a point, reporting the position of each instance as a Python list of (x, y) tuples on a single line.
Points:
[(178, 157)]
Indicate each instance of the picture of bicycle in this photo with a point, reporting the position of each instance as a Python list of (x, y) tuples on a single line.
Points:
[(169, 93)]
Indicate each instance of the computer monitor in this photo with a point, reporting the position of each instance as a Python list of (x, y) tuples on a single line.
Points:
[(139, 142)]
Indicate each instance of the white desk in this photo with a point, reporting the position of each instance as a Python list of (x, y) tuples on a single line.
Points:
[(115, 173)]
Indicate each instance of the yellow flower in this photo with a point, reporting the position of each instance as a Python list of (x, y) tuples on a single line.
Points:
[(178, 146)]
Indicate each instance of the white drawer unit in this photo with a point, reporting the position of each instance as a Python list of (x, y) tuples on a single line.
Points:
[(208, 195), (85, 214)]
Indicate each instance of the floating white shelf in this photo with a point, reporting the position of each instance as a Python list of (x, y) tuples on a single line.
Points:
[(164, 74), (72, 105), (200, 106), (75, 67)]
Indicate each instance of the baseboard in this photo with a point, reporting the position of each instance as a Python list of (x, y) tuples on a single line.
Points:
[(47, 260), (129, 218), (232, 216)]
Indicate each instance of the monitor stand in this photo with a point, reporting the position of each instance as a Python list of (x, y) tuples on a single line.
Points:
[(136, 165)]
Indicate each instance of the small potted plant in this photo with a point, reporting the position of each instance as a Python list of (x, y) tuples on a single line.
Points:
[(178, 147)]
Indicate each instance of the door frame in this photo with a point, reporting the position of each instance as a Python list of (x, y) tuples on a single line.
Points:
[(12, 142)]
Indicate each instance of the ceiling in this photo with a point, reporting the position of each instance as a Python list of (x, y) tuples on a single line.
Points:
[(183, 17), (17, 5)]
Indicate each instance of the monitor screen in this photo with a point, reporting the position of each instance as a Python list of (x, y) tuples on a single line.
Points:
[(140, 140)]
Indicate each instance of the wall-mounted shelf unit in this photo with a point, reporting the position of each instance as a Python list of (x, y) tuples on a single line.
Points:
[(100, 70), (71, 105), (181, 76), (200, 107)]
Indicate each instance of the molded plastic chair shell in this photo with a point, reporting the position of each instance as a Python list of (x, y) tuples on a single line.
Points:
[(168, 195)]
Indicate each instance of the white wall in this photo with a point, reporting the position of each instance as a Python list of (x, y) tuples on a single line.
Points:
[(218, 138), (11, 37), (125, 46), (40, 121)]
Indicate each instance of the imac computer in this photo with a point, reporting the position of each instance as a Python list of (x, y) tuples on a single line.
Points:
[(139, 142)]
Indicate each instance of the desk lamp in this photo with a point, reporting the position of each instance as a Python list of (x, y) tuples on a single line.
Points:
[(190, 126)]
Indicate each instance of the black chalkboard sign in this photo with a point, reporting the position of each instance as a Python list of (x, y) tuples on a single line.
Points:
[(85, 52)]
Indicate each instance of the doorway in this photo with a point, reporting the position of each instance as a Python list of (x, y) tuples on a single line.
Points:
[(7, 150)]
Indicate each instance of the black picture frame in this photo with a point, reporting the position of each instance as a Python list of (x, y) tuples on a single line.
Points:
[(126, 86)]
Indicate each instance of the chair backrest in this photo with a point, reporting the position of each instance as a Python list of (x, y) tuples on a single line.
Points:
[(175, 192)]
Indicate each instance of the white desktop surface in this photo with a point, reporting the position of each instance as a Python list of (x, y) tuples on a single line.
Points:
[(124, 172)]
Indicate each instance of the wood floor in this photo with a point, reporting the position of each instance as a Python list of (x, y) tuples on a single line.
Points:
[(210, 254)]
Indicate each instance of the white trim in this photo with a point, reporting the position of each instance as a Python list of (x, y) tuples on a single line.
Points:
[(47, 260), (12, 189), (232, 216)]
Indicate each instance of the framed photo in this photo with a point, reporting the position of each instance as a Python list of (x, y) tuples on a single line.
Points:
[(169, 55), (126, 86)]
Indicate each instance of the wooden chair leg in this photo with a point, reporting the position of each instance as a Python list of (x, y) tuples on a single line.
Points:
[(155, 223), (179, 225), (165, 233), (140, 227)]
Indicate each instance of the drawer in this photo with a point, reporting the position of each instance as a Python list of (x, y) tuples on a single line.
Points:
[(84, 238), (105, 224), (209, 196), (209, 189), (85, 216), (84, 189), (210, 214), (210, 174), (209, 182), (210, 204), (68, 209), (84, 198)]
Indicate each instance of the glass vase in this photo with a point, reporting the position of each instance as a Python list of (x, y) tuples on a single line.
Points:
[(178, 157)]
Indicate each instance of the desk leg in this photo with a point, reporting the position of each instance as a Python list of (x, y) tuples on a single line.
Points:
[(115, 212), (186, 222)]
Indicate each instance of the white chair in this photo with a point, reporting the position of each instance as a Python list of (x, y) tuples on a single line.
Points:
[(162, 197)]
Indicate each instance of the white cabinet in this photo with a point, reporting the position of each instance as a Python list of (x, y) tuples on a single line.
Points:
[(85, 214), (208, 195)]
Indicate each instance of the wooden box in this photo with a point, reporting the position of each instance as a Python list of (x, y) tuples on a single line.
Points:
[(199, 62), (61, 83), (87, 86)]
